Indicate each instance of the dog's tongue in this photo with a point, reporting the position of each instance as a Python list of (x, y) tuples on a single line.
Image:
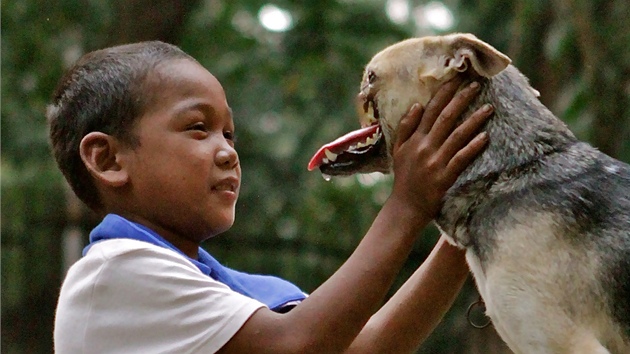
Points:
[(341, 144)]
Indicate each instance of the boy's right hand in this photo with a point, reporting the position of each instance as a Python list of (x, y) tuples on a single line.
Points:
[(430, 153)]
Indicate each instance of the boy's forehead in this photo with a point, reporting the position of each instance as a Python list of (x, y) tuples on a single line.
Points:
[(183, 84), (184, 77)]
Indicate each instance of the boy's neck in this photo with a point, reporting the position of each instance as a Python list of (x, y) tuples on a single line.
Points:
[(188, 246)]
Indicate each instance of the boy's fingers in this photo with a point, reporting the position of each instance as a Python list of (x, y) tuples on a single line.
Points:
[(466, 155), (408, 124), (462, 134), (444, 124), (436, 105)]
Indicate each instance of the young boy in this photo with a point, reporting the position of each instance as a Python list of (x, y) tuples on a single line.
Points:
[(144, 135)]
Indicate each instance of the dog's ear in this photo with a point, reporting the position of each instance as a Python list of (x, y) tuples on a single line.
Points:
[(485, 60)]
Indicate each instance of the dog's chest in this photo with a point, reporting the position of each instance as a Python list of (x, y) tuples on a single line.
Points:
[(530, 286), (505, 280)]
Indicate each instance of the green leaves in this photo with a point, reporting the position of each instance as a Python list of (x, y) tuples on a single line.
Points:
[(291, 92)]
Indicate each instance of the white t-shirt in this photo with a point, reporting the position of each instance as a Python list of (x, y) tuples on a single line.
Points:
[(128, 296)]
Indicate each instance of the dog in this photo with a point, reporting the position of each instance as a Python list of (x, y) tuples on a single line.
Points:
[(544, 217)]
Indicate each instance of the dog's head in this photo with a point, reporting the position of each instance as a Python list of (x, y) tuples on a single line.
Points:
[(405, 73)]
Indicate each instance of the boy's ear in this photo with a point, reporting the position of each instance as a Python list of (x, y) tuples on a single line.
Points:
[(99, 154)]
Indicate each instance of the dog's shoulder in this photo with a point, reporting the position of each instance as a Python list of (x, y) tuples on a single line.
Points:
[(587, 192)]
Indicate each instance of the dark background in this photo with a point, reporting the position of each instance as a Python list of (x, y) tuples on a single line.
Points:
[(291, 91)]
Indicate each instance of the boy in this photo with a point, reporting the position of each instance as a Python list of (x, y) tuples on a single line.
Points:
[(144, 135)]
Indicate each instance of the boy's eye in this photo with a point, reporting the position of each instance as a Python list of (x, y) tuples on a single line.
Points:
[(198, 126), (229, 136)]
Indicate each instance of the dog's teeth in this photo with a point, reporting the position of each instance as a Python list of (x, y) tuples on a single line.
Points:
[(369, 141), (330, 155), (370, 112), (325, 160), (360, 144)]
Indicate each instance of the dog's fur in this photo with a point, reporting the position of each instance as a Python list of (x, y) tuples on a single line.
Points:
[(544, 217)]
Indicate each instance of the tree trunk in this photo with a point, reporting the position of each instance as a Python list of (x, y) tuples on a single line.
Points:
[(143, 20)]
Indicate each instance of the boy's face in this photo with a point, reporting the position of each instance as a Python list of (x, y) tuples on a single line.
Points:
[(185, 175)]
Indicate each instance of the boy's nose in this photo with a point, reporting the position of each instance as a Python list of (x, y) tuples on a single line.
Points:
[(226, 157)]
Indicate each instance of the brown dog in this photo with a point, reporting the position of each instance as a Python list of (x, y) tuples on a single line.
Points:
[(545, 218)]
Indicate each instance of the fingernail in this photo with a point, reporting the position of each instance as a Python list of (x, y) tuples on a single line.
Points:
[(483, 135), (487, 107), (474, 85), (415, 107)]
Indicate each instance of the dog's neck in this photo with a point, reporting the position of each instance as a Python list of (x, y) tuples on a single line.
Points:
[(522, 130)]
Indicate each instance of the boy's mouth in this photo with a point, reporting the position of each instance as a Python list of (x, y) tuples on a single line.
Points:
[(229, 184)]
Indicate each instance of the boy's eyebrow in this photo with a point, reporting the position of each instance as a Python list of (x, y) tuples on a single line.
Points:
[(201, 106), (190, 105)]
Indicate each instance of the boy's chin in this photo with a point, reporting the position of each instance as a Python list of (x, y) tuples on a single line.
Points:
[(224, 226)]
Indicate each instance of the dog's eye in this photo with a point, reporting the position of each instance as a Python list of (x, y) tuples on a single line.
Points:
[(371, 77)]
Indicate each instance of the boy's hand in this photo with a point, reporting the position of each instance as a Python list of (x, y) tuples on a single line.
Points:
[(429, 154)]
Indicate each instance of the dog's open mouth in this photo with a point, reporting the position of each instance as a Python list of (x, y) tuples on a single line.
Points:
[(362, 150)]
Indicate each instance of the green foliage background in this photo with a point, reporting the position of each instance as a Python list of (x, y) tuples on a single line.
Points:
[(290, 92)]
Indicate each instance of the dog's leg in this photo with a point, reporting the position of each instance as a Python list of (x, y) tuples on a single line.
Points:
[(528, 323), (528, 326)]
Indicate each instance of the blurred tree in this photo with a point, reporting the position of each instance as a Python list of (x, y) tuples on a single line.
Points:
[(141, 20), (32, 197), (600, 31), (291, 91)]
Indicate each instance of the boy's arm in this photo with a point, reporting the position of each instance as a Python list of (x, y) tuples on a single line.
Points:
[(410, 316), (427, 160)]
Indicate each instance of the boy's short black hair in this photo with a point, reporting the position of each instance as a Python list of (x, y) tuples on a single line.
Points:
[(104, 92)]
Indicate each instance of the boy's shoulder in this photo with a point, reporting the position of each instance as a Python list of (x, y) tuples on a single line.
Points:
[(128, 254), (119, 263), (125, 294), (126, 247)]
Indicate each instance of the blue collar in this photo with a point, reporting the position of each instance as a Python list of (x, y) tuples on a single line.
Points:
[(271, 291)]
